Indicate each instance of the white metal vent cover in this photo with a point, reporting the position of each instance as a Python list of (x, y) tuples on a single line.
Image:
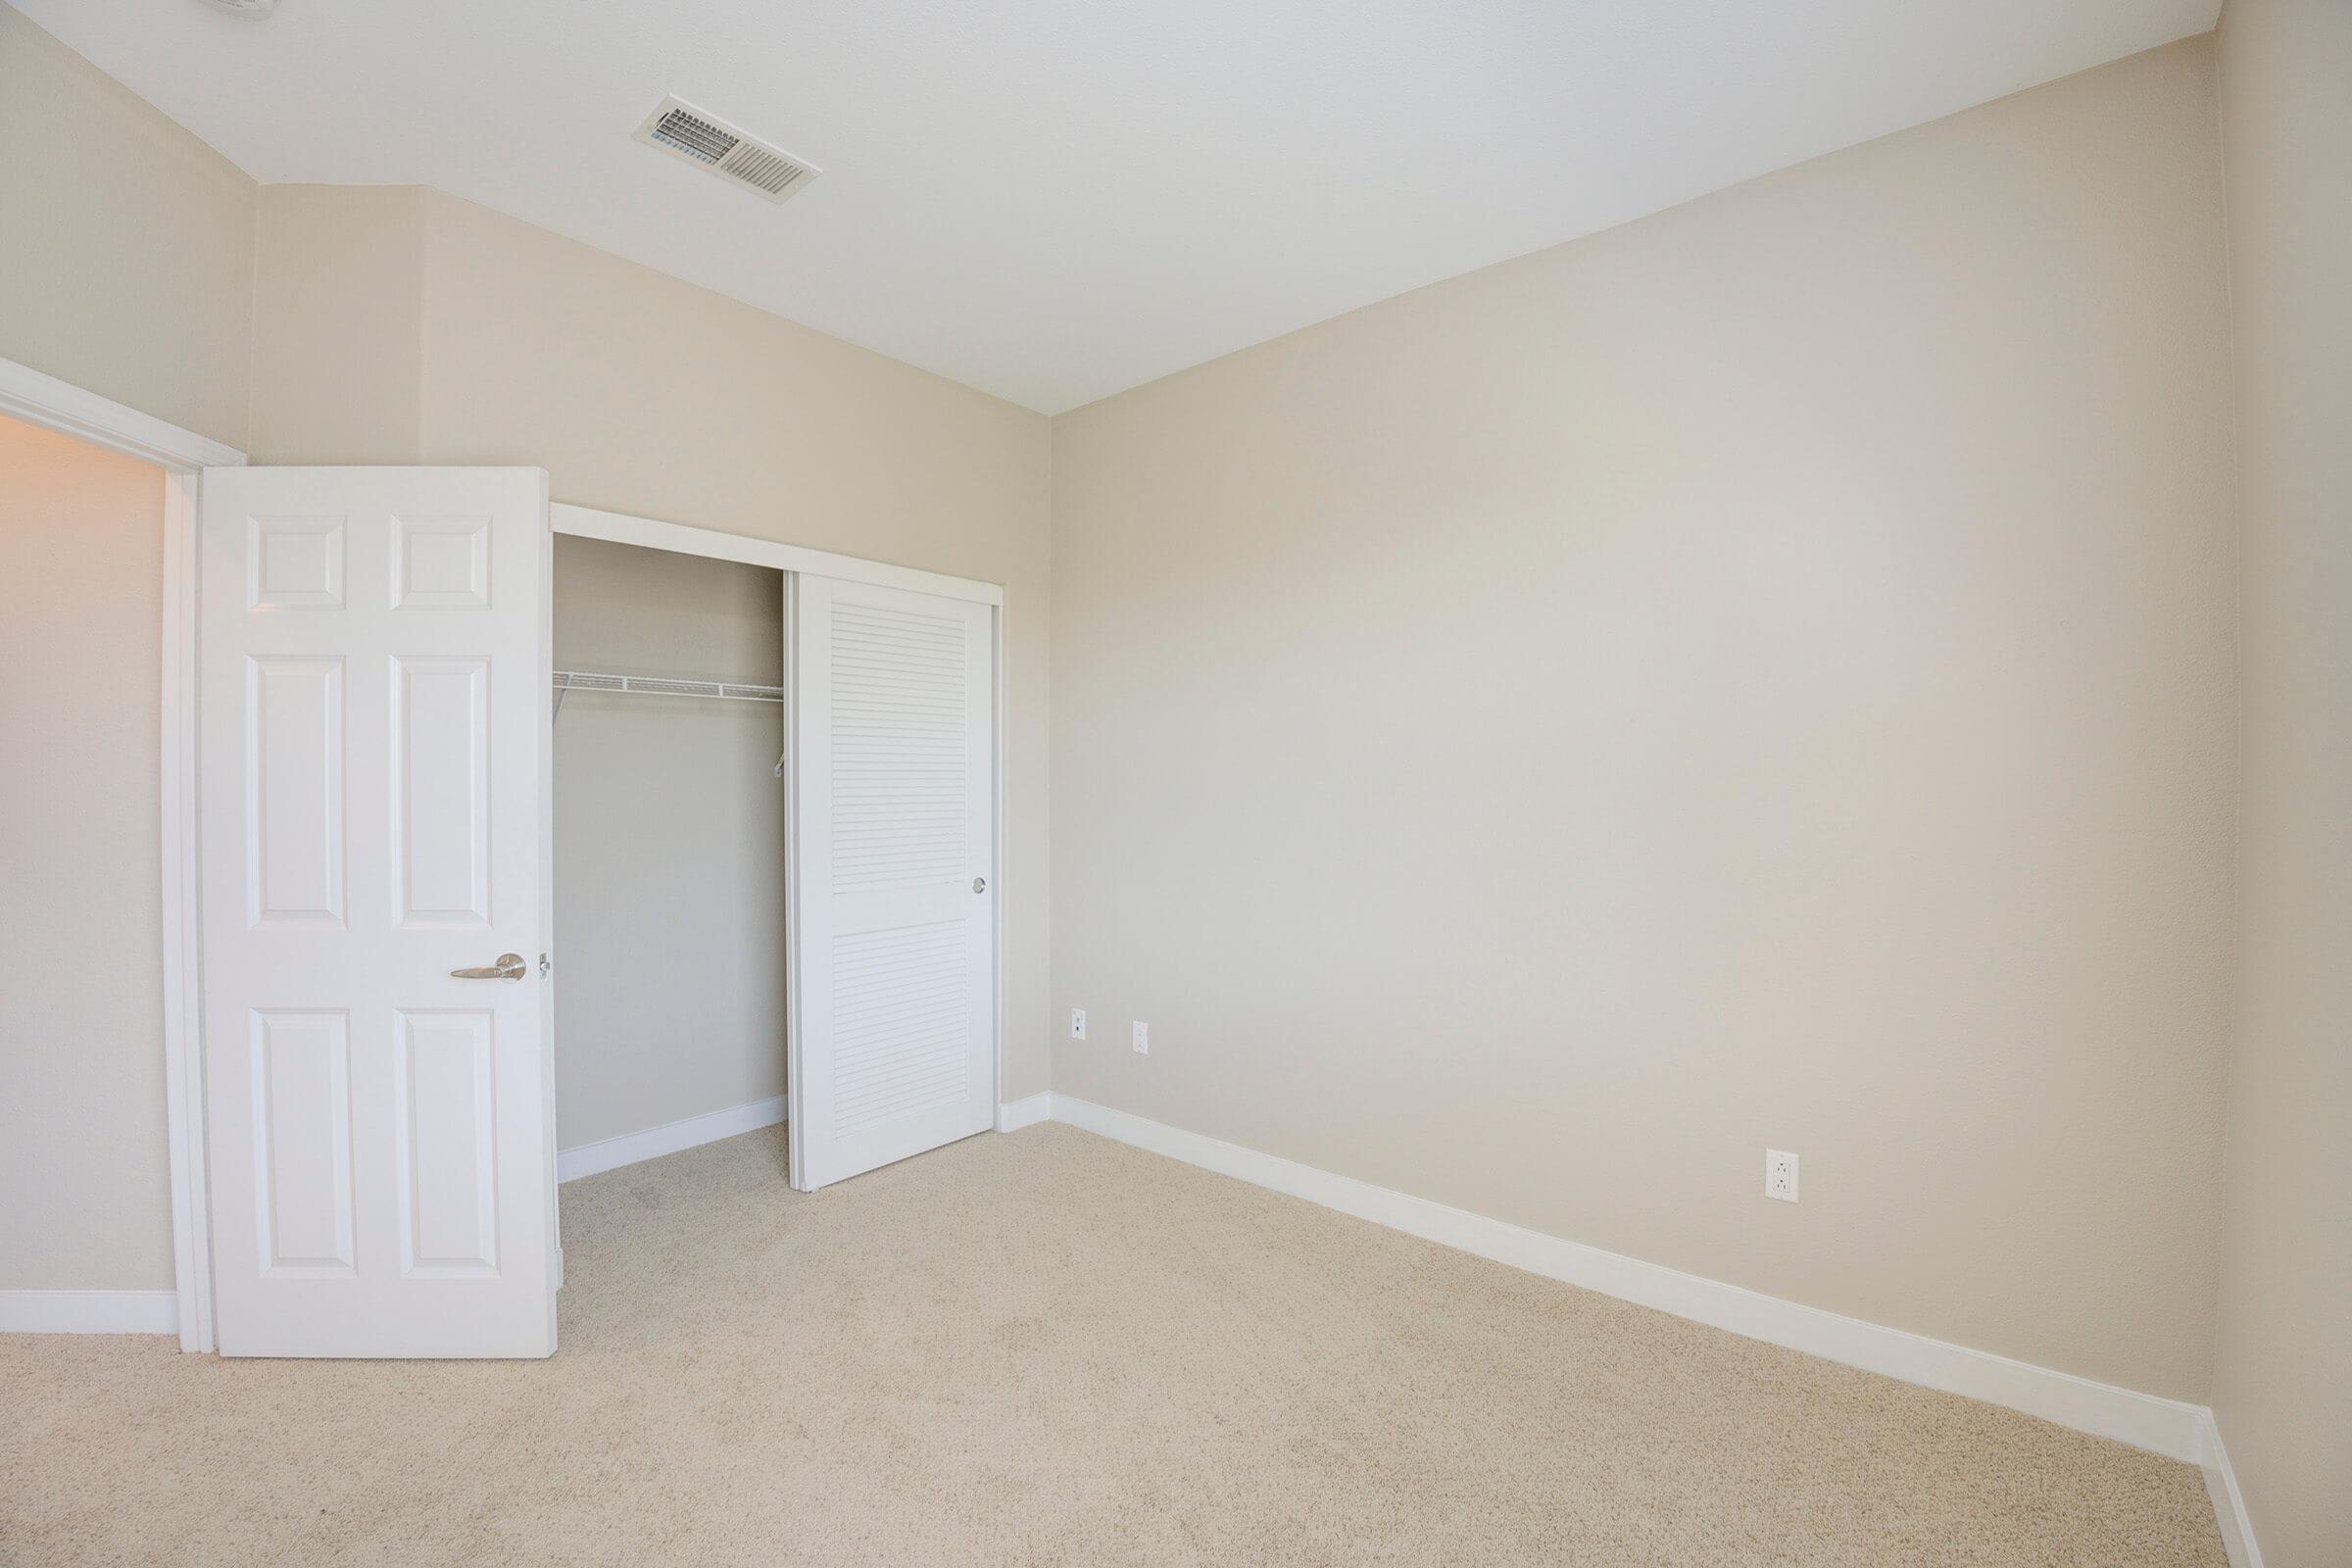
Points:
[(708, 142)]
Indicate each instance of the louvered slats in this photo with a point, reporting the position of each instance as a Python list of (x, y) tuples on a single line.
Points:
[(709, 144), (902, 998), (900, 1016), (899, 784)]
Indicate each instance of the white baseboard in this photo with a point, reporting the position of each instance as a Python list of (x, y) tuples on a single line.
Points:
[(2229, 1505), (89, 1312), (1015, 1114), (2163, 1426), (610, 1154)]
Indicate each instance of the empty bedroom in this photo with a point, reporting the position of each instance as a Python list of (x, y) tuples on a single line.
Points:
[(890, 784)]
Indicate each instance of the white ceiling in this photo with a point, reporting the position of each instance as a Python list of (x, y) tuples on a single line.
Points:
[(1053, 200)]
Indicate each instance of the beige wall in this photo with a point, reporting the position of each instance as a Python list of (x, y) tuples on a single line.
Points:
[(85, 1195), (126, 266), (1758, 676), (670, 844), (642, 394), (2283, 1381), (338, 331)]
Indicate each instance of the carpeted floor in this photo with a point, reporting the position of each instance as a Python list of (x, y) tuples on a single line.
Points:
[(1048, 1349)]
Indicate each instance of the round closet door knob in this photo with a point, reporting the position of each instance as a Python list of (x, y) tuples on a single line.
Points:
[(979, 884)]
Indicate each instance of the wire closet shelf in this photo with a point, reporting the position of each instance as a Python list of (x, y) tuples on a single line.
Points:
[(583, 680)]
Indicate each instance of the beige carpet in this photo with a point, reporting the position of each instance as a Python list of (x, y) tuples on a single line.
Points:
[(1048, 1349)]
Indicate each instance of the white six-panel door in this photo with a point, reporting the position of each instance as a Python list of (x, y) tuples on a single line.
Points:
[(893, 986), (373, 759)]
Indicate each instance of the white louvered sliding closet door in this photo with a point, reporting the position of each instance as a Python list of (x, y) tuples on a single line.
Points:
[(894, 899)]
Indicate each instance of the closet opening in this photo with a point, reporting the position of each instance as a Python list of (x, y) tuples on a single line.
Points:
[(669, 854), (775, 851)]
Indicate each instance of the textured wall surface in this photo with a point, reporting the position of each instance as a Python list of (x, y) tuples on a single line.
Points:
[(128, 264), (2282, 1380), (1758, 676)]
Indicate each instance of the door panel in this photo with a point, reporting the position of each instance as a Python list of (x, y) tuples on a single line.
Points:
[(295, 829), (447, 1119), (302, 1138), (373, 769), (441, 778), (895, 930)]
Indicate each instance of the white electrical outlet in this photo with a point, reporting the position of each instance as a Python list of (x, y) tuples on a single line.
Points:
[(1077, 1023), (1780, 1175), (1143, 1039)]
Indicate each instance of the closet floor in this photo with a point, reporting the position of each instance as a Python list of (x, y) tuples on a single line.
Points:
[(1048, 1349)]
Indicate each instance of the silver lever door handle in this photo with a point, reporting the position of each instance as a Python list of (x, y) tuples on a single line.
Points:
[(510, 967)]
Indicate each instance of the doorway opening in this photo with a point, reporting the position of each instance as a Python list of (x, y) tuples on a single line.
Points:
[(82, 1085)]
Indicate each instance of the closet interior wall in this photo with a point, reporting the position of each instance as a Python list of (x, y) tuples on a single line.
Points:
[(670, 843)]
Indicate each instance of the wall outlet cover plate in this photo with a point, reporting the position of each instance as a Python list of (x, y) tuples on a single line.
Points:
[(1780, 1175)]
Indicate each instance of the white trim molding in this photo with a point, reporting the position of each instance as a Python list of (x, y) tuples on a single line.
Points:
[(37, 399), (2228, 1504), (183, 1060), (88, 1313), (1015, 1114), (2142, 1420), (628, 1149), (616, 527)]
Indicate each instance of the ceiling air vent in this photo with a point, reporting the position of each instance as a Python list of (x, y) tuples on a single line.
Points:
[(708, 142)]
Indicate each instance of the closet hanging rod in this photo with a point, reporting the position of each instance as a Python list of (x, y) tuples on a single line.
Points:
[(582, 681)]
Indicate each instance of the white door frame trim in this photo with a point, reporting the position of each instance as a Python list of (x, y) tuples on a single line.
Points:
[(41, 399), (616, 527), (613, 527), (28, 395)]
